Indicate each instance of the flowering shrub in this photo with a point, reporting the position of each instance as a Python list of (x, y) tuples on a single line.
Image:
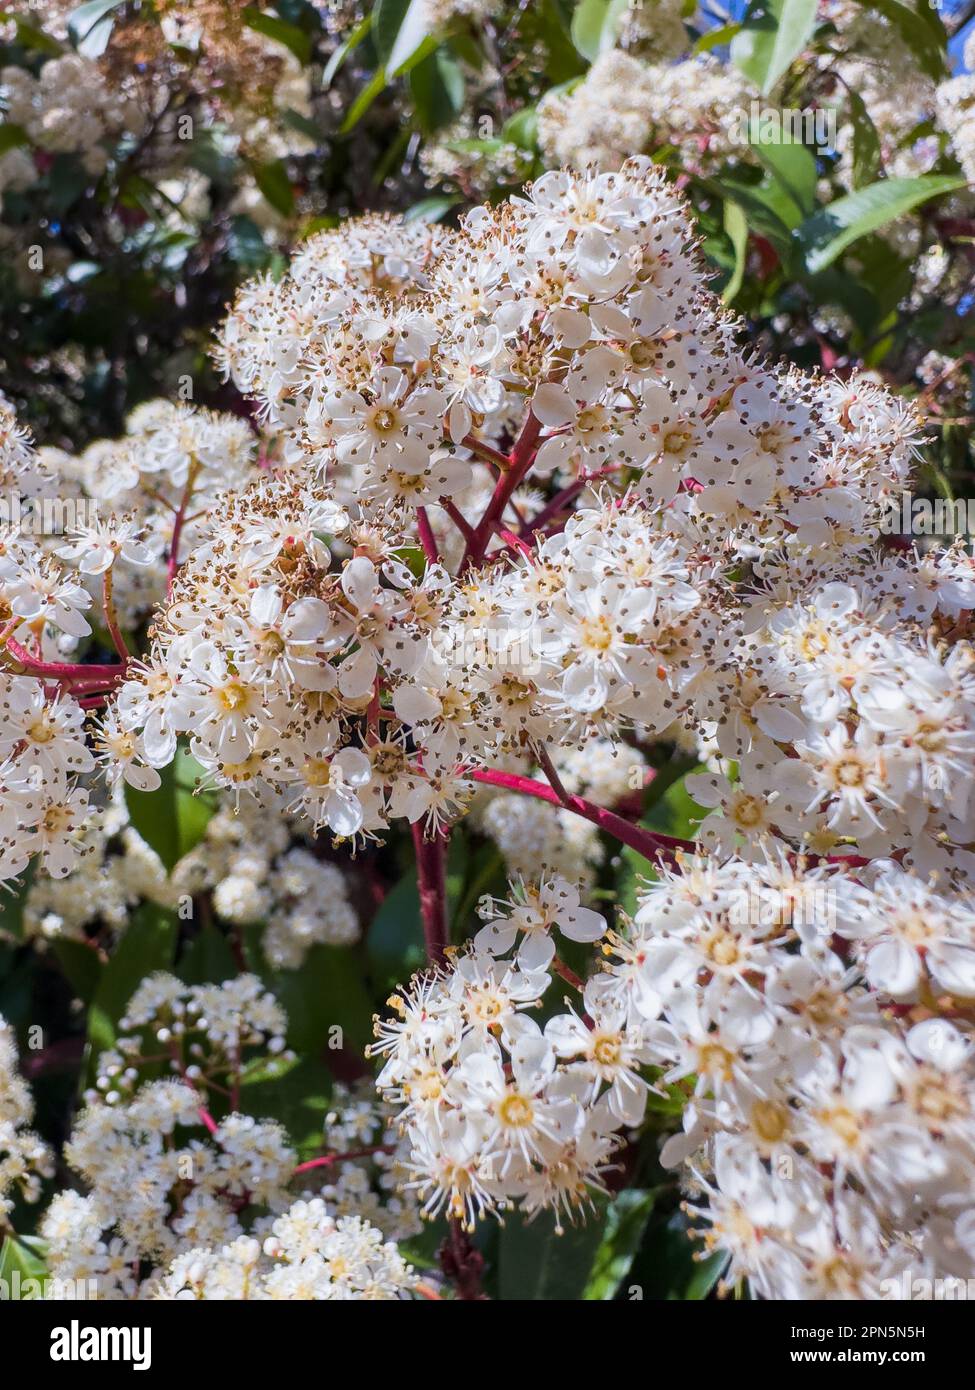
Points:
[(487, 800)]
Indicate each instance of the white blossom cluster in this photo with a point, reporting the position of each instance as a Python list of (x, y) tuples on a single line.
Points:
[(307, 1256), (257, 874), (24, 1158), (625, 104), (159, 1185), (202, 1031), (86, 528), (372, 1182), (956, 114), (498, 1110), (70, 107), (181, 1206), (721, 569), (823, 1027)]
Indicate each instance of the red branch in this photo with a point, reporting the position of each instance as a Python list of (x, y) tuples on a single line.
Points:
[(520, 461), (432, 882), (427, 538), (650, 843)]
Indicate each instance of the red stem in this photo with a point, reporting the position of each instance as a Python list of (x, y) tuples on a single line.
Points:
[(111, 621), (66, 671), (651, 844), (427, 538), (327, 1160), (432, 882), (522, 457), (457, 517)]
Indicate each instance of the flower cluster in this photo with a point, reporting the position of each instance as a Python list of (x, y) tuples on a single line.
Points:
[(24, 1158), (68, 107), (308, 1255), (498, 1110), (823, 1026), (202, 1031), (161, 1182)]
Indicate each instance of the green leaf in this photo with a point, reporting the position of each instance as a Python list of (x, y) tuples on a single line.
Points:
[(344, 49), (595, 25), (172, 819), (430, 209), (413, 38), (922, 31), (387, 19), (11, 136), (208, 960), (665, 1266), (362, 103), (68, 178), (81, 966), (149, 944), (521, 129), (793, 167), (28, 36), (866, 142), (626, 1221), (13, 898), (830, 231), (272, 179), (395, 935), (299, 1099), (535, 1263), (714, 38), (772, 35), (246, 243), (736, 226), (90, 26), (763, 210), (22, 1267), (437, 86), (281, 31), (327, 992)]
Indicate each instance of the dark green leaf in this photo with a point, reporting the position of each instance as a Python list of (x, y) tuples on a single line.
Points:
[(149, 944), (282, 32), (13, 896), (866, 142), (626, 1220), (272, 179), (209, 959), (395, 936), (172, 819), (11, 136), (362, 103), (535, 1263), (437, 85), (81, 965)]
